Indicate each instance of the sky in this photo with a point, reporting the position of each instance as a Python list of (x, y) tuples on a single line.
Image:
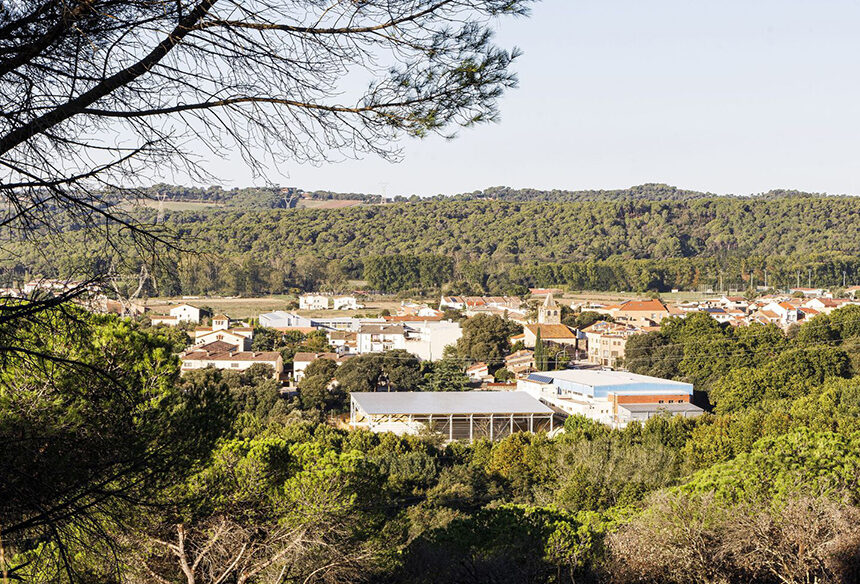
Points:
[(729, 97)]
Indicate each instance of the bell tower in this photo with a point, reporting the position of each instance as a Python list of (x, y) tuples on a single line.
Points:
[(549, 312)]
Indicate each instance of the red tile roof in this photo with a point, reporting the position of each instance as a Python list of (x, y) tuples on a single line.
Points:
[(552, 331)]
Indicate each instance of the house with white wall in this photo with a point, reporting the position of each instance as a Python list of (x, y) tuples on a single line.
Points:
[(229, 356), (186, 313), (313, 302), (346, 303), (222, 331), (377, 338)]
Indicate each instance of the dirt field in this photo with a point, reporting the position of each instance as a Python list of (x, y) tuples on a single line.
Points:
[(331, 204), (176, 205), (242, 308), (611, 297), (252, 307)]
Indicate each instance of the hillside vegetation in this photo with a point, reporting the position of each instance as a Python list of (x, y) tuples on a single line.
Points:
[(501, 246)]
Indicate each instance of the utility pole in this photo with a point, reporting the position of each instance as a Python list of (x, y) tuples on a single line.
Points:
[(843, 278), (798, 278), (809, 278), (765, 277)]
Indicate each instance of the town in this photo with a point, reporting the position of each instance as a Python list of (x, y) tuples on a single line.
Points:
[(553, 369)]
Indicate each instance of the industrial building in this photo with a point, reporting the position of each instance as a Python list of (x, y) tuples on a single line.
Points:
[(457, 415), (615, 398)]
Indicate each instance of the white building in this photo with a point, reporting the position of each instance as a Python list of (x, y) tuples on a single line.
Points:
[(427, 339), (785, 311), (479, 372), (608, 396), (186, 313), (346, 303), (313, 302), (376, 338), (344, 342), (222, 331), (456, 415), (419, 310), (828, 305), (225, 355), (607, 342), (811, 292), (480, 302), (281, 319)]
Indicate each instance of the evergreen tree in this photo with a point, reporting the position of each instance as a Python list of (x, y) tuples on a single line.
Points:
[(540, 354)]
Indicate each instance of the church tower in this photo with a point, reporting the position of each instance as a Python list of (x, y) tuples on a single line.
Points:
[(550, 312)]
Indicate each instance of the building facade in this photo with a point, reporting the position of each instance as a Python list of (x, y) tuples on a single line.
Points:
[(608, 396), (313, 302)]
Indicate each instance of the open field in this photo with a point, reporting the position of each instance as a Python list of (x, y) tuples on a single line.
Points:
[(330, 204), (611, 297), (243, 308), (252, 307), (172, 205)]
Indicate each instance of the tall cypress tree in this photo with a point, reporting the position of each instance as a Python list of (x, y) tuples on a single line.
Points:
[(540, 357)]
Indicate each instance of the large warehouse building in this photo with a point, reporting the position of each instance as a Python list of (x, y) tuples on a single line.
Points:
[(457, 415), (612, 397)]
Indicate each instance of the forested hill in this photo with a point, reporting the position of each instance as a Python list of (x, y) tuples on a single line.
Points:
[(279, 198), (646, 192), (542, 231), (502, 247)]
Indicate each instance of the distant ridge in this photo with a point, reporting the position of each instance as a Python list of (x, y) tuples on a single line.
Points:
[(279, 198)]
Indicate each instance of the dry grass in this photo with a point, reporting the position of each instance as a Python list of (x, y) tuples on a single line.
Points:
[(612, 297), (330, 204), (252, 307)]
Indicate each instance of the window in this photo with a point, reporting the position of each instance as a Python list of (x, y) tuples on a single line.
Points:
[(660, 401), (235, 365)]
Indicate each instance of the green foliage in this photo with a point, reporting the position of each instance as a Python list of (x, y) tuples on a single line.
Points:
[(316, 390), (446, 374), (790, 375), (823, 463), (289, 343), (540, 353), (585, 319), (96, 425), (487, 338), (393, 273), (396, 370), (502, 246), (548, 543)]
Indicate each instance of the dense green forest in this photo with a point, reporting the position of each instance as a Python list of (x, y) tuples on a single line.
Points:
[(496, 246), (134, 474)]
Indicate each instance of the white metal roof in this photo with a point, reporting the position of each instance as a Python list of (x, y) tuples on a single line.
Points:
[(449, 402), (597, 378)]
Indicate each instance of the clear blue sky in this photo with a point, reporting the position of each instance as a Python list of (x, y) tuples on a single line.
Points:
[(735, 96)]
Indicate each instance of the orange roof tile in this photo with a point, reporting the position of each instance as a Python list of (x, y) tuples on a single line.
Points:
[(552, 331)]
